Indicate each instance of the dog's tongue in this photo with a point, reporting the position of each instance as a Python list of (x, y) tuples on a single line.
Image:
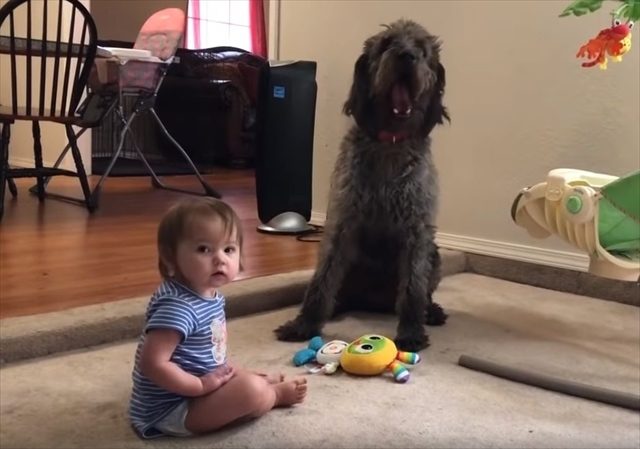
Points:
[(400, 99)]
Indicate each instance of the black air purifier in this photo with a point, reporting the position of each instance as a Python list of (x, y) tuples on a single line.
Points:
[(284, 146)]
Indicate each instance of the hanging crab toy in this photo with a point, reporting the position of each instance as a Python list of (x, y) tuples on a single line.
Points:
[(614, 41)]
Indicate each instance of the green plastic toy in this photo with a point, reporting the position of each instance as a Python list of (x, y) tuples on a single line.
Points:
[(596, 213)]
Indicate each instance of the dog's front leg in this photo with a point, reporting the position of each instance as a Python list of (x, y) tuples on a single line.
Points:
[(414, 281), (435, 314), (319, 299)]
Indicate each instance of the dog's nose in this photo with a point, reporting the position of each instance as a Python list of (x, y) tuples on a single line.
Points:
[(407, 56)]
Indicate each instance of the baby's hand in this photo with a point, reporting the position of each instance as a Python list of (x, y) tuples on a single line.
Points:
[(217, 378)]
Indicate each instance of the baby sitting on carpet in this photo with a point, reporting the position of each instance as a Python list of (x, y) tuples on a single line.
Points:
[(183, 383)]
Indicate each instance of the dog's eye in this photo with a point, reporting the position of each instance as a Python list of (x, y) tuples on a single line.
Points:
[(423, 48)]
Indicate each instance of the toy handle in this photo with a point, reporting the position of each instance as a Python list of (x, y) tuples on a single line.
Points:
[(400, 373), (304, 356)]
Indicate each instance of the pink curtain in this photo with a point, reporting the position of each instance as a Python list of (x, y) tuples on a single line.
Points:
[(256, 21), (258, 28), (193, 24)]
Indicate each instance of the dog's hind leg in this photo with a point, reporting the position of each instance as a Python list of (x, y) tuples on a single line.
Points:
[(434, 314), (319, 300)]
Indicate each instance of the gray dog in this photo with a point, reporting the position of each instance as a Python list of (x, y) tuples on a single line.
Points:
[(378, 253)]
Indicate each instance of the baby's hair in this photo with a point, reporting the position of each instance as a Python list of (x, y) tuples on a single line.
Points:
[(174, 223)]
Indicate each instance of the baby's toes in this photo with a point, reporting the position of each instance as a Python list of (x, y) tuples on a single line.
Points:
[(301, 388)]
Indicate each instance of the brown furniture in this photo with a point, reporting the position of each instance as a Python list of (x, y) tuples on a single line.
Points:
[(105, 82), (41, 105), (237, 72), (207, 101)]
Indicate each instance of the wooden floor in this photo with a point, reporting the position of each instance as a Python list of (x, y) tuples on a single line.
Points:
[(56, 256)]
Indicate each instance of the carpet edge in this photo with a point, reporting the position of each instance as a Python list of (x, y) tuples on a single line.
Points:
[(554, 278), (29, 337)]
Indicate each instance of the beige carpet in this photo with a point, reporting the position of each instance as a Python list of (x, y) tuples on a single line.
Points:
[(79, 399)]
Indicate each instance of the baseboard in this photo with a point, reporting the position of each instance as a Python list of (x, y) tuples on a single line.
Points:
[(503, 250), (23, 162), (317, 218), (512, 251)]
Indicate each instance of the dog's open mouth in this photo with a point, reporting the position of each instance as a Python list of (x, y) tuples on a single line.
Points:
[(401, 100)]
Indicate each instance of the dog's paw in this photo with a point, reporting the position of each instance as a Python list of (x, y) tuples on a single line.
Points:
[(435, 315), (412, 342), (296, 331)]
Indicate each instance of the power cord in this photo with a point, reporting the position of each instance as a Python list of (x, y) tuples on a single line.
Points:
[(306, 237)]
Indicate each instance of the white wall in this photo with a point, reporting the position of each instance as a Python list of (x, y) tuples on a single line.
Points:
[(520, 103)]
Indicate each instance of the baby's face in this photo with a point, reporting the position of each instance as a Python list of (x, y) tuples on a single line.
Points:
[(206, 258)]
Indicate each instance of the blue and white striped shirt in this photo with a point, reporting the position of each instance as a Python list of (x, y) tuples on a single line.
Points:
[(202, 323)]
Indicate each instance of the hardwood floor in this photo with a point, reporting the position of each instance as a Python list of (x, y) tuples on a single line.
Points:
[(55, 255)]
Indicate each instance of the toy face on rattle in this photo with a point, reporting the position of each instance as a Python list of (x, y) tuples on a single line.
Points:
[(326, 355), (331, 352)]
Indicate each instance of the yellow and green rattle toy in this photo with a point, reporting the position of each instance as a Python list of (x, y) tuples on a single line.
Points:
[(372, 355), (369, 355)]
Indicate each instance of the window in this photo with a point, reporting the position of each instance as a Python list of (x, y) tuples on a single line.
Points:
[(215, 23)]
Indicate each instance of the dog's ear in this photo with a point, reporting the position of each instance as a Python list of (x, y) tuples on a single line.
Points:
[(436, 112), (358, 102)]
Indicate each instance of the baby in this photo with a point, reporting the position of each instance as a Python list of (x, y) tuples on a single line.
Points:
[(183, 383)]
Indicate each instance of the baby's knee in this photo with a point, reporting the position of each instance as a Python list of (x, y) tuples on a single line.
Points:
[(260, 397)]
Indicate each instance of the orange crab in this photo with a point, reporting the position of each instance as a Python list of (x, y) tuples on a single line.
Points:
[(614, 41)]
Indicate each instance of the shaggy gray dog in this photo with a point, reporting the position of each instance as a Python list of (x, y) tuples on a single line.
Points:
[(378, 253)]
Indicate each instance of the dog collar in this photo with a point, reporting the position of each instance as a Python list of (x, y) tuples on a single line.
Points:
[(387, 136)]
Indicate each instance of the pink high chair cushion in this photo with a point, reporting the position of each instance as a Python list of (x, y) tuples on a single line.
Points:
[(162, 33)]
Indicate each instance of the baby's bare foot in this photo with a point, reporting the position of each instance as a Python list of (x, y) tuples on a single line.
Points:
[(274, 378), (290, 392)]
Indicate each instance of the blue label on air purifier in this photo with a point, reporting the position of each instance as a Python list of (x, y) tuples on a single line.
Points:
[(278, 91)]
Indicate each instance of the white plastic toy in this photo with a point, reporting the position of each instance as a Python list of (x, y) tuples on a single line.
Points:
[(595, 213), (320, 356)]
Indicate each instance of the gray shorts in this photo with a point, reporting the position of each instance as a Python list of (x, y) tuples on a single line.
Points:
[(173, 423)]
